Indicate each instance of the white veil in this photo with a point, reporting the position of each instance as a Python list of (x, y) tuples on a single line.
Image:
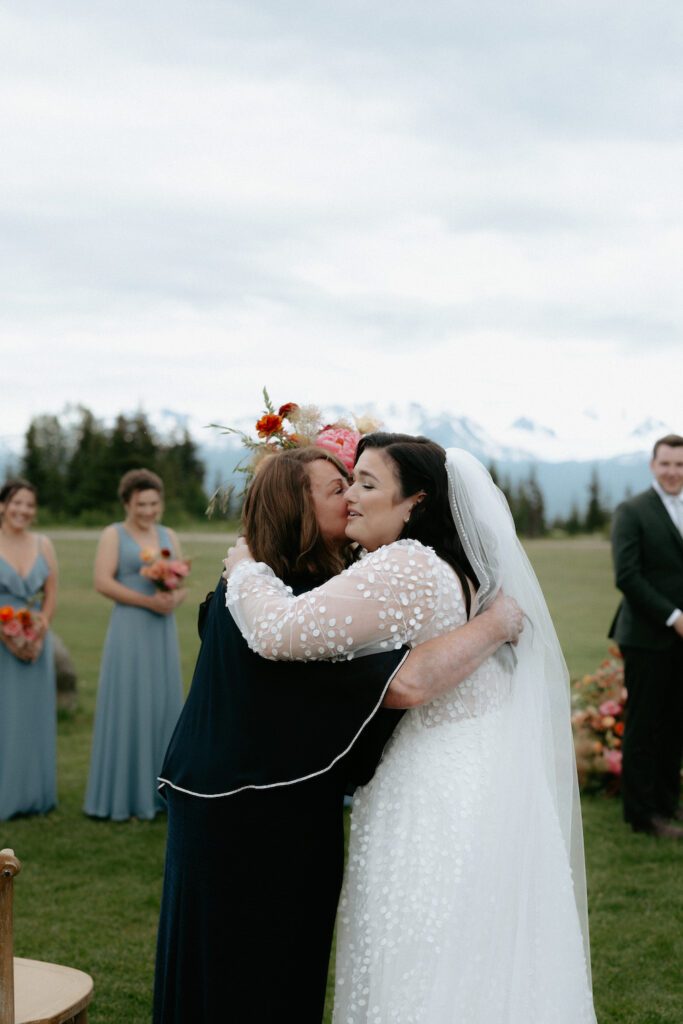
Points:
[(540, 684)]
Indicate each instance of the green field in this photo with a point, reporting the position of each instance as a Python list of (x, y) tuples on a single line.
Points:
[(89, 891)]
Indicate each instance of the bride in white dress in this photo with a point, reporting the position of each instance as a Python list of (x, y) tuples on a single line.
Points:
[(464, 899)]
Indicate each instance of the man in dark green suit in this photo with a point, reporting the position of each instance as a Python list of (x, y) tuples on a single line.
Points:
[(647, 546)]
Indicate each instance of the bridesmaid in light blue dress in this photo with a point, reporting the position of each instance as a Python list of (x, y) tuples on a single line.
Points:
[(139, 695), (28, 567)]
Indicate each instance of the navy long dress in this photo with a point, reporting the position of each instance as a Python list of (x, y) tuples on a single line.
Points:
[(255, 776)]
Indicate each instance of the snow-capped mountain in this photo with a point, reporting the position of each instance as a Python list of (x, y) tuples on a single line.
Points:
[(563, 460)]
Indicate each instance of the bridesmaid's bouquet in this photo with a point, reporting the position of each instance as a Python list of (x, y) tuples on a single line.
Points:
[(21, 631), (165, 572)]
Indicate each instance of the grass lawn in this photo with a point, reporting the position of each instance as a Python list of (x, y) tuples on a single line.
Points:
[(89, 891)]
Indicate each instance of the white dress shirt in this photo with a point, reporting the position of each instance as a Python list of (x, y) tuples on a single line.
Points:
[(673, 503)]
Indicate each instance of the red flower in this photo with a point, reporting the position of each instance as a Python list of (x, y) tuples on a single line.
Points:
[(269, 424), (165, 553), (287, 409), (6, 613), (24, 617), (619, 728)]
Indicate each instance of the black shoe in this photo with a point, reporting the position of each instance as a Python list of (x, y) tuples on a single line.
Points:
[(657, 826)]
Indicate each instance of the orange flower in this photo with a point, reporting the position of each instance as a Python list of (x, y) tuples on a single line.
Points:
[(147, 554), (24, 616), (619, 728), (269, 424), (285, 410), (6, 613)]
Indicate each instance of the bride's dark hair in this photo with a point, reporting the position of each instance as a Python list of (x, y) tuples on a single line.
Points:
[(420, 465)]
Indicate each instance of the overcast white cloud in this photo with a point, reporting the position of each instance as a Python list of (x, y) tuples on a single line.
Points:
[(476, 207)]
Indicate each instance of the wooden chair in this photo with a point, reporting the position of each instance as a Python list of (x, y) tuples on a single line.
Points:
[(33, 992)]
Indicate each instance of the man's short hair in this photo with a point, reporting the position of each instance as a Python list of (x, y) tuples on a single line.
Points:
[(672, 440)]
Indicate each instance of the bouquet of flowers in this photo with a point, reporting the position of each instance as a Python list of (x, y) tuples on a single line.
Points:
[(598, 703), (165, 572), (20, 630), (296, 426)]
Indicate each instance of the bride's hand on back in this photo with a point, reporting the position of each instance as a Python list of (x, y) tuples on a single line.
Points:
[(235, 555), (510, 616)]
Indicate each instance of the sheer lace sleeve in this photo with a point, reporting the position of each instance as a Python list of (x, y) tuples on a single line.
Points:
[(380, 603)]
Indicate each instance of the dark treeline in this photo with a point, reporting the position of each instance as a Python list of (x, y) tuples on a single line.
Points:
[(528, 508), (76, 464)]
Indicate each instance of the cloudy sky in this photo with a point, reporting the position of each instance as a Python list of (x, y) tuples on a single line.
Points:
[(474, 206)]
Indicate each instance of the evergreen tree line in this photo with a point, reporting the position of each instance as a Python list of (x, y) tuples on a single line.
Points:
[(76, 464), (528, 508)]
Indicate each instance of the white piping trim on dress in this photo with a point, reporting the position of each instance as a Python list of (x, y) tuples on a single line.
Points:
[(301, 778)]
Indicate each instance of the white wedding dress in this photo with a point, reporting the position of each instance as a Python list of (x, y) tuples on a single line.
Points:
[(458, 905)]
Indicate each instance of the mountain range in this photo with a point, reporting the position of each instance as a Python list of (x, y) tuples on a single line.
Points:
[(564, 460)]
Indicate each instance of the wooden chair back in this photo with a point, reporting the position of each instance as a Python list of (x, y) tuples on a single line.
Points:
[(31, 991)]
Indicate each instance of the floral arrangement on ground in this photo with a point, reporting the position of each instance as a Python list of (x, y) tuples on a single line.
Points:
[(598, 703)]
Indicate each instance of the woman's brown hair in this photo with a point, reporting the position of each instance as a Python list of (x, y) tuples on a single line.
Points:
[(279, 520), (12, 486), (139, 480)]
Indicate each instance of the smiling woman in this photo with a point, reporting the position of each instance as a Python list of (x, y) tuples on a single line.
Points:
[(470, 826), (28, 576), (140, 691), (377, 509)]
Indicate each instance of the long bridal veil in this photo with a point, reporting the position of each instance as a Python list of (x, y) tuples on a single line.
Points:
[(540, 696)]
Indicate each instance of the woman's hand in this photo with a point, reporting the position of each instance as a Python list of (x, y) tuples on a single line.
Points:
[(34, 649), (27, 652), (509, 616), (163, 602), (235, 556)]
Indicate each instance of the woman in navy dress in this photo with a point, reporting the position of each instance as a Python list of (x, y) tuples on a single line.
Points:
[(28, 573), (139, 695)]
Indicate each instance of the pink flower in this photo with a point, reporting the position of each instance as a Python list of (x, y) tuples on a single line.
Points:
[(30, 634), (610, 707), (613, 761), (12, 628), (341, 441), (180, 567)]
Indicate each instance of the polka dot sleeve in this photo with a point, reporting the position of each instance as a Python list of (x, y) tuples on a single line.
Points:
[(380, 603)]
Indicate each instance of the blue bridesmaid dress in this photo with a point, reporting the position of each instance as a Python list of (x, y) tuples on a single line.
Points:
[(139, 698), (28, 709)]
